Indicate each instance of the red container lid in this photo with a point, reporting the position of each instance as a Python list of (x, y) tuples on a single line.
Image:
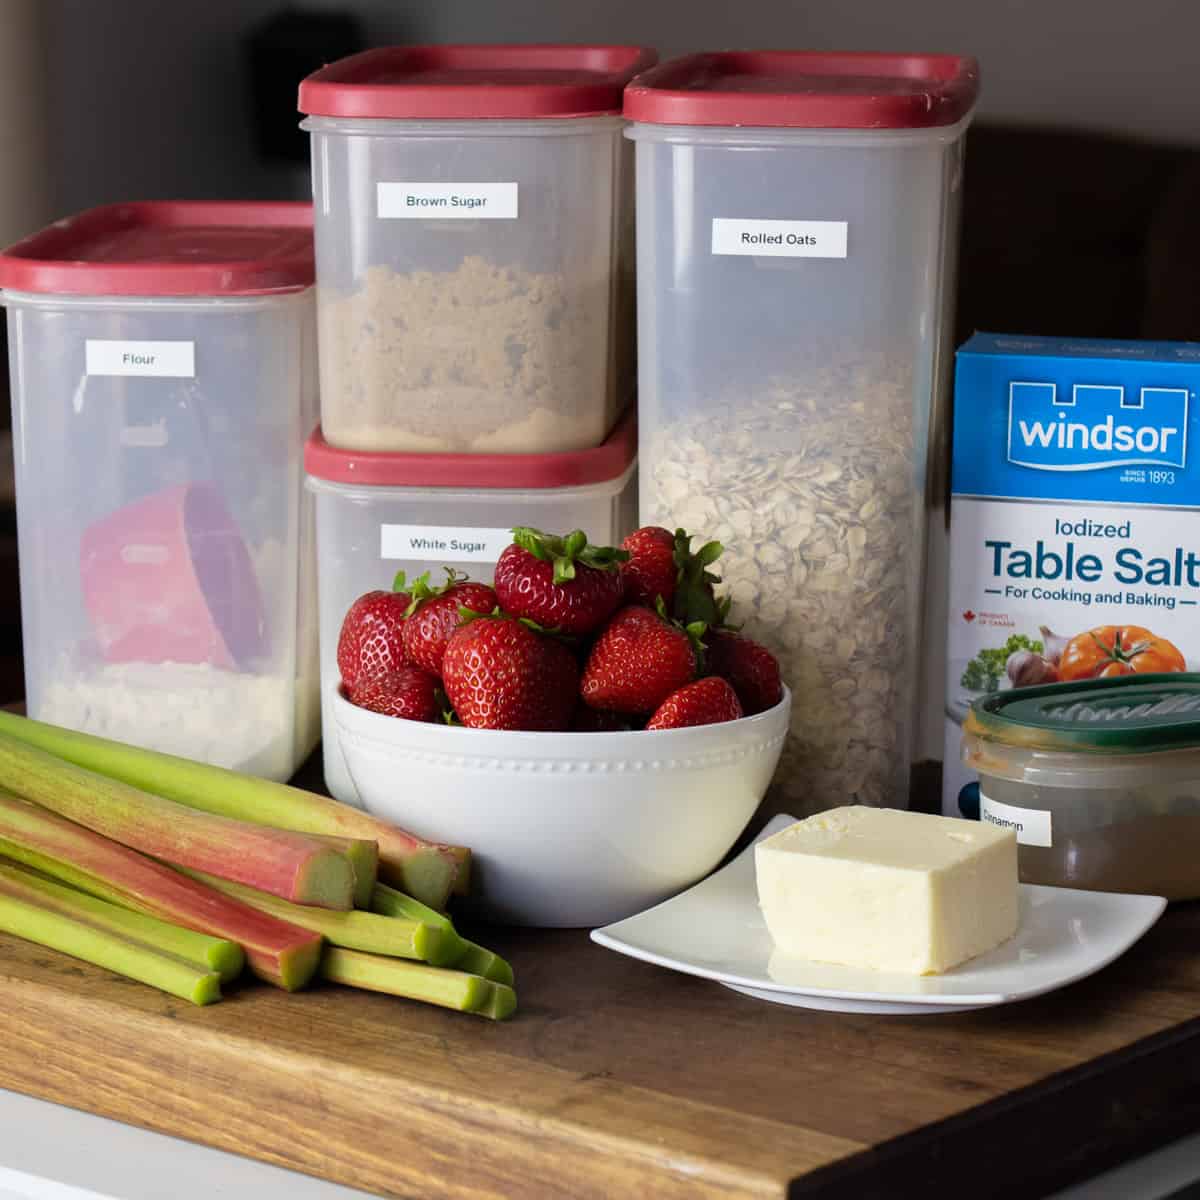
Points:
[(572, 468), (168, 249), (806, 90), (475, 82)]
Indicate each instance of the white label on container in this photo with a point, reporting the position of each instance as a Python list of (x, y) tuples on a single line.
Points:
[(1031, 824), (447, 201), (779, 239), (443, 543), (174, 360)]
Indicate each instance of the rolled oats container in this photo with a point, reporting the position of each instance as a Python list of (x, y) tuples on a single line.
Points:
[(474, 247), (163, 362), (1100, 780), (378, 514), (797, 216)]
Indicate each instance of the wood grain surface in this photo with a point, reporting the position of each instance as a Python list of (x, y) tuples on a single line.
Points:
[(620, 1079)]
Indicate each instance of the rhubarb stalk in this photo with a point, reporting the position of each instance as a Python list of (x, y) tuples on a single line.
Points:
[(467, 956), (364, 861), (283, 954), (287, 864), (207, 953), (390, 936), (426, 870), (433, 985), (131, 959)]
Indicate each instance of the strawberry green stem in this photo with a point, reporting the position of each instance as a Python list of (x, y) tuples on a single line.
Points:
[(565, 552)]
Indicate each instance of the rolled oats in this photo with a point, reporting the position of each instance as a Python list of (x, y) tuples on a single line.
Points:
[(815, 491)]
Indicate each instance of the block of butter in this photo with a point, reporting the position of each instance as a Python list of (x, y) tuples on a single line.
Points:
[(888, 890)]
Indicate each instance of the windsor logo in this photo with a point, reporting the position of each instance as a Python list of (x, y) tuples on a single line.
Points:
[(1096, 426)]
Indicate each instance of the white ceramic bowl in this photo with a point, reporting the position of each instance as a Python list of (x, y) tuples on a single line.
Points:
[(567, 829)]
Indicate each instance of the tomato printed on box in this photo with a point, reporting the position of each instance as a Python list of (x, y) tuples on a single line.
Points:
[(1075, 520)]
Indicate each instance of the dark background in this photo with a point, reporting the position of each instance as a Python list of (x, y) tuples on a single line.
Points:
[(1083, 167)]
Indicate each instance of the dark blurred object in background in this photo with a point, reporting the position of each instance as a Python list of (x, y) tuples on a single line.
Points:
[(1078, 235), (283, 49)]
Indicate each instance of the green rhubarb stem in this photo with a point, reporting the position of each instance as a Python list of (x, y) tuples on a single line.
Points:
[(363, 856), (131, 959), (390, 936), (461, 954), (501, 1004), (282, 954), (433, 985), (478, 960), (427, 870), (206, 953), (288, 864)]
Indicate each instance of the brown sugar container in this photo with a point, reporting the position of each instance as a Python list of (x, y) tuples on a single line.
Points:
[(473, 224)]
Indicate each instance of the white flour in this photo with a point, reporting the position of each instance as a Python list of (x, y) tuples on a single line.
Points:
[(241, 721)]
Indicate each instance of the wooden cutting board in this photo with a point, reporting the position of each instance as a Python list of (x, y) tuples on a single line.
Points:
[(619, 1079)]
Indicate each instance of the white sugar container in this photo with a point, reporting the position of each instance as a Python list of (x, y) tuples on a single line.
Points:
[(378, 514)]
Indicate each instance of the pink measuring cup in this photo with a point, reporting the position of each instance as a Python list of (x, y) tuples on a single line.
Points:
[(168, 578)]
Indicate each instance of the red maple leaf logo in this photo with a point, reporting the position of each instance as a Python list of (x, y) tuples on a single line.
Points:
[(968, 615)]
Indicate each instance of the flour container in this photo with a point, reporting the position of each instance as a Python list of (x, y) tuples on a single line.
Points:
[(474, 266), (382, 513), (797, 216), (163, 379)]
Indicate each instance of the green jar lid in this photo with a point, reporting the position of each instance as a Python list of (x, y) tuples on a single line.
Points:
[(1128, 714)]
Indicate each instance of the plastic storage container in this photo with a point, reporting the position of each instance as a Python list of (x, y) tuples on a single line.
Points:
[(163, 382), (382, 513), (1101, 781), (796, 225), (474, 268)]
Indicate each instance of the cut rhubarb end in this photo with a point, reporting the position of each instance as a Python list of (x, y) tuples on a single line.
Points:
[(394, 937), (391, 903), (478, 961), (244, 797), (432, 945), (205, 952), (117, 954), (459, 953), (414, 981), (95, 864), (289, 864), (501, 1004), (364, 861), (326, 880), (293, 968), (426, 874)]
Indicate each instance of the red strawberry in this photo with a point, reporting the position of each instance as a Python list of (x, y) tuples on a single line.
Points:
[(371, 640), (651, 570), (637, 662), (750, 667), (564, 584), (407, 692), (499, 674), (708, 701), (434, 615)]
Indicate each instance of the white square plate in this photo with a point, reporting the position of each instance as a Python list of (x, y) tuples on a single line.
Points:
[(715, 930)]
